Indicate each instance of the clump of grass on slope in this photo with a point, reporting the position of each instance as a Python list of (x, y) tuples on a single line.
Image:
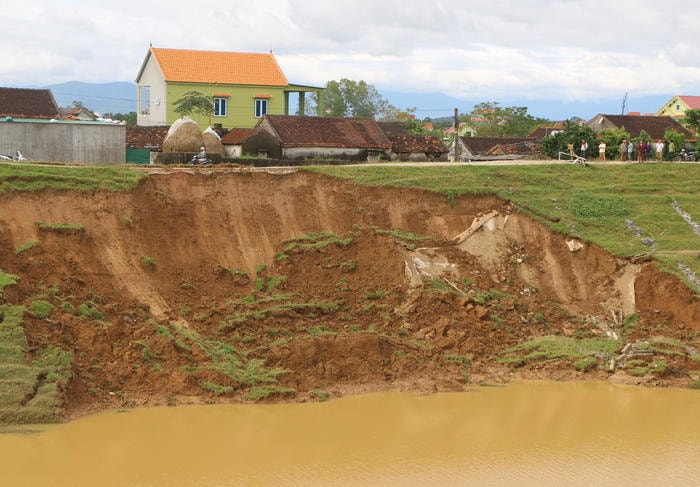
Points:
[(554, 348), (29, 393)]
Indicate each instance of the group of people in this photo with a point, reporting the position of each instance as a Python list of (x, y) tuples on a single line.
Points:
[(628, 149)]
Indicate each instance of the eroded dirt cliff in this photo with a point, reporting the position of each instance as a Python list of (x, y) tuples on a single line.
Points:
[(214, 286)]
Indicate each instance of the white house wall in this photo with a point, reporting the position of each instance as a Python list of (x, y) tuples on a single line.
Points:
[(232, 150), (151, 76)]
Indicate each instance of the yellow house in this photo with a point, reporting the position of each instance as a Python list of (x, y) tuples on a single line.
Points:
[(677, 106), (243, 87)]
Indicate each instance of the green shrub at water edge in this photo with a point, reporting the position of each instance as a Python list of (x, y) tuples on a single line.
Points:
[(585, 364), (549, 348)]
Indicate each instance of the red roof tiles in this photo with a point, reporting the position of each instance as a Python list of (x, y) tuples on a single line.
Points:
[(236, 136), (303, 131), (27, 103), (409, 144), (140, 137)]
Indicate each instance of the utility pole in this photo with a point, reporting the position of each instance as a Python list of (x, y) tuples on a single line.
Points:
[(624, 102), (456, 156)]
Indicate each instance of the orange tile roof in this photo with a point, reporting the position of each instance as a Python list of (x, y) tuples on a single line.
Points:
[(235, 68)]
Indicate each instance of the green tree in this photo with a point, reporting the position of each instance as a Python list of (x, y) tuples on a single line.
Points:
[(675, 141), (492, 120), (129, 118), (348, 98), (692, 119), (573, 133), (613, 138), (194, 103)]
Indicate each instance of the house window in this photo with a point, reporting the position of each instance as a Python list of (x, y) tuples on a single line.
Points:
[(678, 107), (145, 100), (220, 104), (260, 107)]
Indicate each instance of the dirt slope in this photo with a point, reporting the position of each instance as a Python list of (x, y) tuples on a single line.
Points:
[(191, 263)]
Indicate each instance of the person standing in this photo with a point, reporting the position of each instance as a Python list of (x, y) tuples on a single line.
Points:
[(671, 150), (647, 150), (623, 149), (630, 150), (584, 148), (659, 150), (601, 150), (640, 151)]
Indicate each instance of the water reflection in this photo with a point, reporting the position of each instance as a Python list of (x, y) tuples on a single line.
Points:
[(525, 434)]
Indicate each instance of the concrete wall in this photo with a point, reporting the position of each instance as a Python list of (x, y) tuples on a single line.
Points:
[(91, 143)]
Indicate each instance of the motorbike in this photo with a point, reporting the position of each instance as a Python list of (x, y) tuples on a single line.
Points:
[(685, 155), (197, 160)]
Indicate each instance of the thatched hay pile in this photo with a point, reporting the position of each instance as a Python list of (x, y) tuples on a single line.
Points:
[(212, 142), (183, 136)]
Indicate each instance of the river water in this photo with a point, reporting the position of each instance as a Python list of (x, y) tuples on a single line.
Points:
[(532, 433)]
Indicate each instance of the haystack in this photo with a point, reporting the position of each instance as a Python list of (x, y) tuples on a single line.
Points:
[(183, 136), (212, 142)]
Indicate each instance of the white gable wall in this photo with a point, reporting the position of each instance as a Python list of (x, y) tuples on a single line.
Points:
[(151, 76)]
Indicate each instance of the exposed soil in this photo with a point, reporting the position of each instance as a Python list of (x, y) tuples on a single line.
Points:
[(376, 310)]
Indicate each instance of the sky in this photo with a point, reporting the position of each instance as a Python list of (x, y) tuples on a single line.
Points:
[(569, 51)]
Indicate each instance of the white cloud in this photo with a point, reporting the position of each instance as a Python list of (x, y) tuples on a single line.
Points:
[(566, 49)]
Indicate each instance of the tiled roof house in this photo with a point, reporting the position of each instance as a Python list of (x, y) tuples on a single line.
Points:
[(417, 147), (634, 124), (406, 146), (233, 141), (488, 147), (677, 106), (300, 137), (28, 103), (243, 86)]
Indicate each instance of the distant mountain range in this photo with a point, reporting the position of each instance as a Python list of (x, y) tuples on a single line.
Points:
[(117, 97), (120, 97)]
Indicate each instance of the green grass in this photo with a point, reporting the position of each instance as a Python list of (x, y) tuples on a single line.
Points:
[(592, 204), (321, 395), (399, 234), (40, 308), (554, 348), (261, 392), (223, 358), (29, 391), (26, 246), (282, 306), (454, 358), (92, 178), (7, 280), (316, 241), (65, 226)]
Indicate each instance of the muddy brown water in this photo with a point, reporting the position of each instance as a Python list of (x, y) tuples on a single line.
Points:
[(533, 433)]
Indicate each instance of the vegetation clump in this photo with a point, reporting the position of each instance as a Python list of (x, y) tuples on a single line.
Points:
[(30, 392)]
